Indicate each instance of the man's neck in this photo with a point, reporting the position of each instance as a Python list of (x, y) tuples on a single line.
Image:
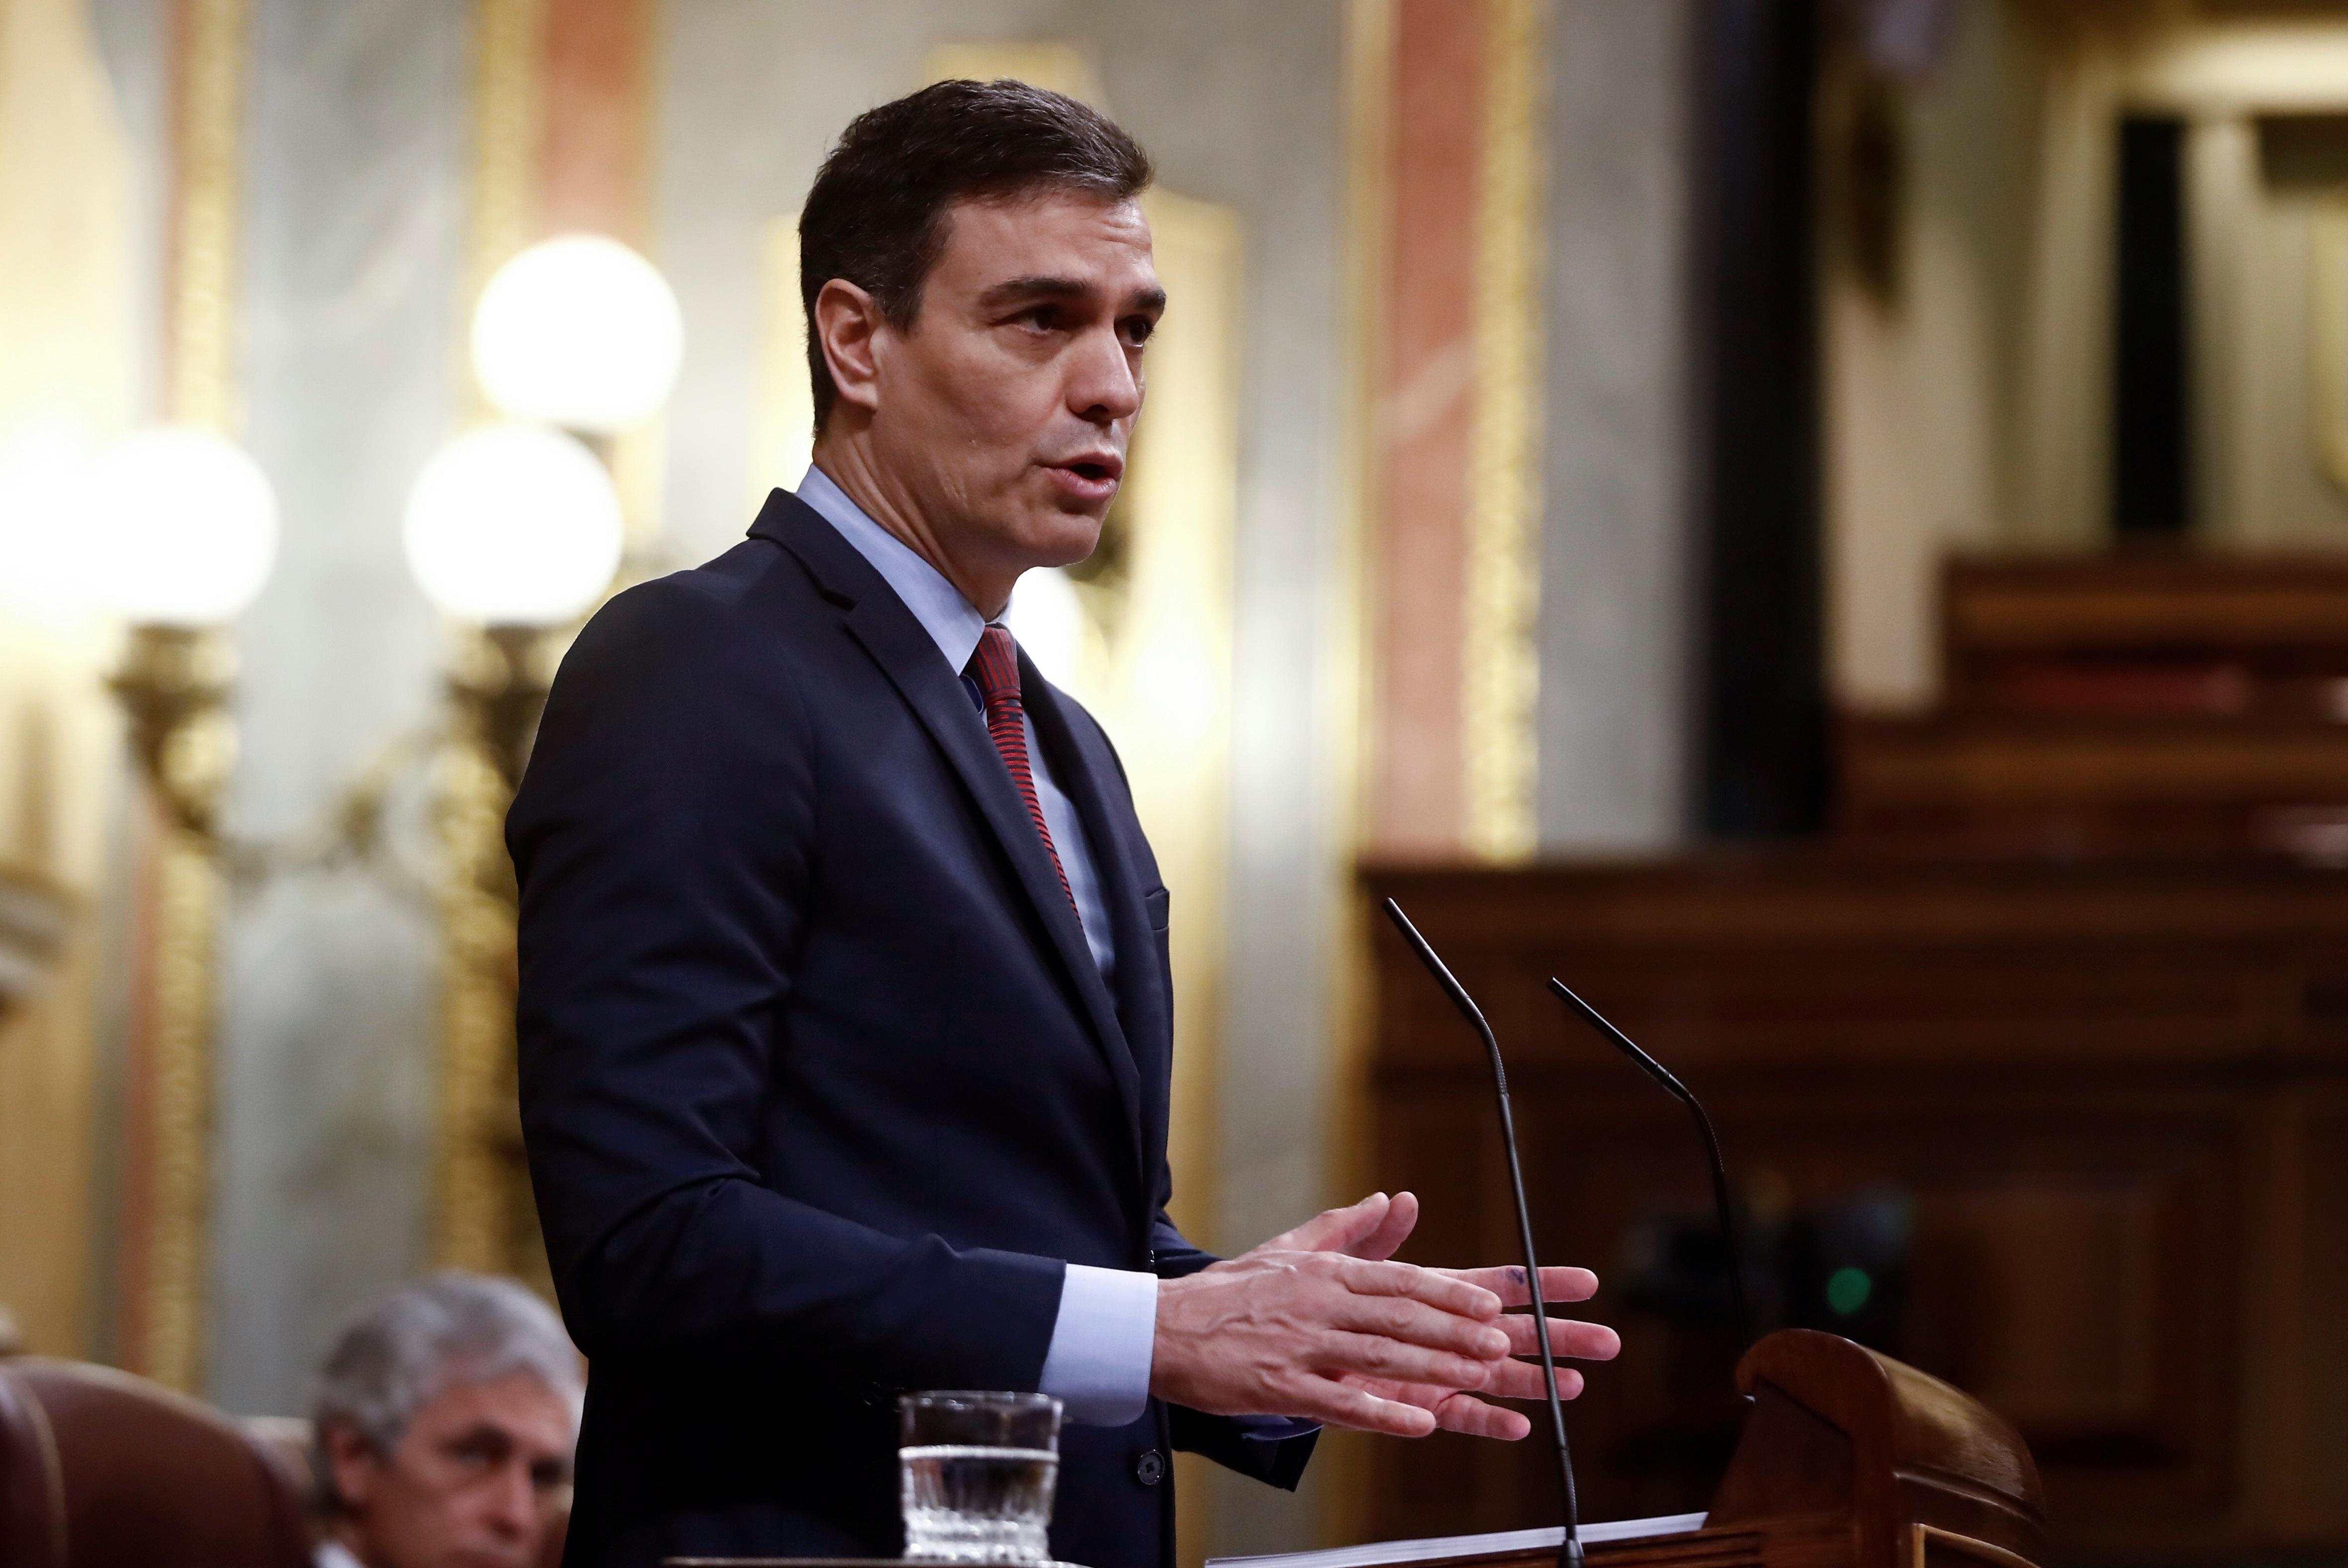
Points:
[(848, 462)]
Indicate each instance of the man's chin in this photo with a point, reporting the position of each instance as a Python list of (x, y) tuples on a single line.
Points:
[(1063, 539), (491, 1557)]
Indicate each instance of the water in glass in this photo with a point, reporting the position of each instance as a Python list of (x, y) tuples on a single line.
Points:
[(978, 1471), (969, 1503)]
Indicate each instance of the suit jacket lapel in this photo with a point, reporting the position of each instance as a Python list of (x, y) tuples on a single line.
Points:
[(1079, 765), (889, 632)]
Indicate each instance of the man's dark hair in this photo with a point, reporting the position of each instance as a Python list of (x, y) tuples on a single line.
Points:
[(877, 215)]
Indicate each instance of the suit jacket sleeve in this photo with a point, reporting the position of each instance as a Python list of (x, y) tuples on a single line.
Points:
[(664, 840)]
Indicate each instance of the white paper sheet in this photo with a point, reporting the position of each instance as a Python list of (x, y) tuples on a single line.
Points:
[(1378, 1553)]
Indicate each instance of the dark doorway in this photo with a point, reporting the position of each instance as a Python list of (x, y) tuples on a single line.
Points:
[(2152, 469), (1761, 703)]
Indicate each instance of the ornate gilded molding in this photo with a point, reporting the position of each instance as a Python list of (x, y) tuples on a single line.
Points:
[(167, 1229), (482, 1217), (509, 91), (179, 1065), (210, 107), (1500, 664)]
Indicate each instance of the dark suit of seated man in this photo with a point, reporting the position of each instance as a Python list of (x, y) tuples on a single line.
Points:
[(844, 1023)]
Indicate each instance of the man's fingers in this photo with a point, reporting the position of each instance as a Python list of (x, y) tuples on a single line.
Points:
[(1337, 1403), (1446, 1291), (1468, 1414), (1339, 1229), (1522, 1380), (1396, 1361), (1567, 1337), (1508, 1282), (1401, 1217), (1416, 1322)]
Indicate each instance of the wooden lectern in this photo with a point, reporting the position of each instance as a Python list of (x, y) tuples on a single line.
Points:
[(1849, 1459)]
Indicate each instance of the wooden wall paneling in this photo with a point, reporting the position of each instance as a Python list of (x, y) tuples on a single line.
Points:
[(2065, 1081), (2311, 1447)]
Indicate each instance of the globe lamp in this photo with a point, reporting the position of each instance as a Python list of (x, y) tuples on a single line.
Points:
[(182, 528), (513, 525), (577, 332)]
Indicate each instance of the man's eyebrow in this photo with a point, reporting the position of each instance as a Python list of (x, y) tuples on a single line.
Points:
[(1039, 287), (1047, 287)]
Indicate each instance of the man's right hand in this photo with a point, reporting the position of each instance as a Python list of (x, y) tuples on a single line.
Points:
[(1318, 1323), (1274, 1331)]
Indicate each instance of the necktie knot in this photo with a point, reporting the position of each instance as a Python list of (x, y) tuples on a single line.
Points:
[(995, 667)]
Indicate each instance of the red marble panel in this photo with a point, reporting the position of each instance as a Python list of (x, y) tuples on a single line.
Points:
[(1425, 407), (598, 67)]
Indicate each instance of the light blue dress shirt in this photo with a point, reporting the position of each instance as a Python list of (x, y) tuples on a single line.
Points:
[(1098, 1363)]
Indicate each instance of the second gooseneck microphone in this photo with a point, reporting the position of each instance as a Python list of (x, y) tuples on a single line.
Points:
[(1680, 1091), (1569, 1551)]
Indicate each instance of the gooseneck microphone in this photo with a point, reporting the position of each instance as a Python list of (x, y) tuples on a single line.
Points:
[(1680, 1091), (1569, 1551)]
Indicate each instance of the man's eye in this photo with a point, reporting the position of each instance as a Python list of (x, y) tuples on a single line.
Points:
[(479, 1451), (1138, 330)]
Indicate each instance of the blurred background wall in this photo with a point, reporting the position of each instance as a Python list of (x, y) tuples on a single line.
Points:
[(1581, 405)]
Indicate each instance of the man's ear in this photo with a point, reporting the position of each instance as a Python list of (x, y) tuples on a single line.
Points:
[(353, 1461), (848, 323)]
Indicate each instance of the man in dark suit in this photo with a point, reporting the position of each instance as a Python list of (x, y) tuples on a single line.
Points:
[(845, 1024)]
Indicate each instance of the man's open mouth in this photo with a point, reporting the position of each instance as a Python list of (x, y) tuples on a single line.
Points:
[(1096, 468)]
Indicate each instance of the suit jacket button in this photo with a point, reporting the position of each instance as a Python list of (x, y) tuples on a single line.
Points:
[(1148, 1468)]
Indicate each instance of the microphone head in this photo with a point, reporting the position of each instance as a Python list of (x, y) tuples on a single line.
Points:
[(1621, 1041)]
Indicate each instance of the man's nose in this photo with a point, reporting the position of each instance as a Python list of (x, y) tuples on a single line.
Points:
[(1103, 386), (513, 1510)]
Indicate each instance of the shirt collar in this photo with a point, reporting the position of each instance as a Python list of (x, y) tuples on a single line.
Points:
[(950, 620), (334, 1554)]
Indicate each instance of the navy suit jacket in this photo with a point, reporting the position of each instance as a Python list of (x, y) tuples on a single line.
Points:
[(820, 1085)]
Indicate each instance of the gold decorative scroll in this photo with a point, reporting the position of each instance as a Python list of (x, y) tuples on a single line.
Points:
[(209, 92), (482, 1215), (188, 897), (509, 85), (169, 1240), (1500, 662)]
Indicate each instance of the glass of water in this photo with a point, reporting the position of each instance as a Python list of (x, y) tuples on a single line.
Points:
[(977, 1472)]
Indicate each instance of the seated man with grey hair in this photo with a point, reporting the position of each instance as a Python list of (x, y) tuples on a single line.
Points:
[(444, 1425)]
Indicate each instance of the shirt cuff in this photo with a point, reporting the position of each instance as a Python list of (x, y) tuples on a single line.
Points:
[(1098, 1363)]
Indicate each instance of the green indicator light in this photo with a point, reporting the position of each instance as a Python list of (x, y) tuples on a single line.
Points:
[(1847, 1290)]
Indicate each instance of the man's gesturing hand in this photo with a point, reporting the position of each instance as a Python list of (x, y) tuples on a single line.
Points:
[(1318, 1323)]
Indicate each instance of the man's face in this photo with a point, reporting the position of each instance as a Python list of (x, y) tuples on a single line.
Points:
[(1007, 410), (473, 1483)]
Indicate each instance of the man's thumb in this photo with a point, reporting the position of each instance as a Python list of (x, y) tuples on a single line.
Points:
[(1333, 1229)]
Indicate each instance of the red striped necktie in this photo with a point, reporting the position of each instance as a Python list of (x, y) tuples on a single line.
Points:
[(995, 667)]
